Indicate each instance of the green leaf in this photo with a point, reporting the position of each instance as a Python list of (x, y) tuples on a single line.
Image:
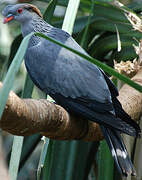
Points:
[(79, 24), (66, 160), (13, 69), (127, 53), (48, 14), (135, 6), (105, 24), (14, 47), (71, 13), (29, 145), (84, 38), (108, 43), (43, 156), (28, 87), (18, 140), (105, 162), (15, 156), (60, 2)]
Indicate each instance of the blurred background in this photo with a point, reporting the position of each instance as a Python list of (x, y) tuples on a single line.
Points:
[(96, 29)]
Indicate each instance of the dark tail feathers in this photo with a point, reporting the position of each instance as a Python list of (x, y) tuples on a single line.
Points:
[(119, 152), (120, 113)]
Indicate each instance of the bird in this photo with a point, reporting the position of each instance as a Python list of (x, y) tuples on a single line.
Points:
[(80, 87)]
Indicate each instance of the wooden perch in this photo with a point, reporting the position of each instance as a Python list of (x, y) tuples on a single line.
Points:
[(29, 116)]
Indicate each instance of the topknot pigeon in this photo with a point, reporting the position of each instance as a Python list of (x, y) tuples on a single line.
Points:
[(74, 83)]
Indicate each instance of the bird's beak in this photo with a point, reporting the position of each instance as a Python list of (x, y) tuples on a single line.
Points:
[(9, 18)]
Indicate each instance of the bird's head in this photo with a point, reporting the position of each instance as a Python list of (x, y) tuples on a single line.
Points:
[(20, 12)]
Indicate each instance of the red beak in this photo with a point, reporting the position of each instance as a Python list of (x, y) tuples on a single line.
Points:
[(9, 18)]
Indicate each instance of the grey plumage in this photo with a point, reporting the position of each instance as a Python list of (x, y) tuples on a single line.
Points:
[(74, 83)]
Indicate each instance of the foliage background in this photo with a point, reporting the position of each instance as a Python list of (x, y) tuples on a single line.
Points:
[(95, 30)]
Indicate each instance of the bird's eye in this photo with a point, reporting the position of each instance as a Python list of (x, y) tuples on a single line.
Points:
[(20, 10)]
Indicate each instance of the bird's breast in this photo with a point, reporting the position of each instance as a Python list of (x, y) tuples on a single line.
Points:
[(40, 73)]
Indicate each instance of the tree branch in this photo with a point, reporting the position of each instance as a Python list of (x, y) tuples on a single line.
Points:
[(29, 116)]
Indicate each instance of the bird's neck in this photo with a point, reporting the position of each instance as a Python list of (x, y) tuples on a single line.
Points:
[(36, 24), (26, 29)]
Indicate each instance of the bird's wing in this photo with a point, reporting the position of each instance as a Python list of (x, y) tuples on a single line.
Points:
[(74, 83), (75, 77), (63, 72)]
